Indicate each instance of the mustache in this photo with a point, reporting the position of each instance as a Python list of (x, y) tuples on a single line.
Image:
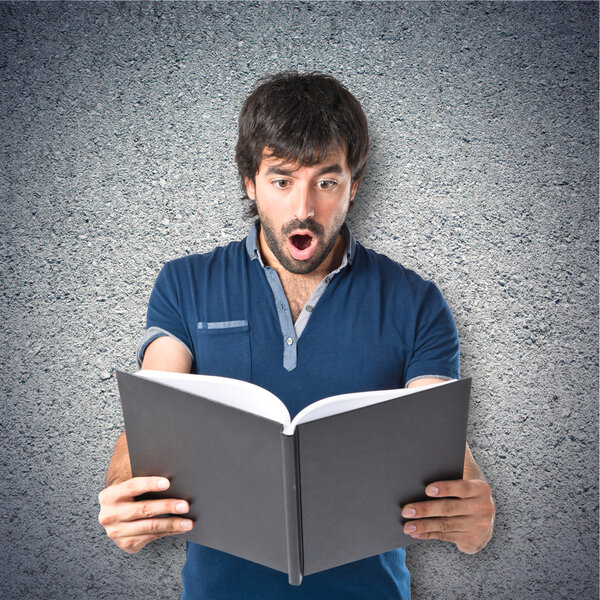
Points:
[(309, 224)]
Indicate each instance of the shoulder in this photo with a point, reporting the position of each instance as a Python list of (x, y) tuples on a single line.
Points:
[(393, 275), (185, 276), (221, 255)]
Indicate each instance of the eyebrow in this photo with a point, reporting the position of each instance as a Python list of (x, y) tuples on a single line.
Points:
[(278, 170)]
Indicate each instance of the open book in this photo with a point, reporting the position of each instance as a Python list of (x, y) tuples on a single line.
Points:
[(301, 495)]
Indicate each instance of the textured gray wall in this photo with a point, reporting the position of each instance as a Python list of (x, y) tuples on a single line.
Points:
[(117, 135)]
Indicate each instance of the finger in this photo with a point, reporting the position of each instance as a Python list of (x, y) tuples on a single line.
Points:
[(152, 527), (146, 509), (133, 487), (465, 542), (444, 507), (457, 488), (136, 543), (451, 525), (439, 535)]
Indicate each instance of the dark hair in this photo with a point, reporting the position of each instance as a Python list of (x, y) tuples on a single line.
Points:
[(301, 118)]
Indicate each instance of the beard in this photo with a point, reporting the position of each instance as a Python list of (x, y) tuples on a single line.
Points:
[(278, 242)]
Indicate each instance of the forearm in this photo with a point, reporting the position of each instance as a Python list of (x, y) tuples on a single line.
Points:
[(471, 470), (163, 354), (119, 468), (129, 521)]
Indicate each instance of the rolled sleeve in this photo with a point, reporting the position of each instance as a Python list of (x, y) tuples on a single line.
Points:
[(164, 315), (151, 334), (436, 350)]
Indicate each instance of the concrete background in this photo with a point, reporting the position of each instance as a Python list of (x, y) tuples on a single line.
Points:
[(117, 135)]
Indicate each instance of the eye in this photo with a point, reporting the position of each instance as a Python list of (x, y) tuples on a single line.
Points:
[(327, 184), (281, 184)]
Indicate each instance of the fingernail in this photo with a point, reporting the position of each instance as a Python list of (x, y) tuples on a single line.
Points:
[(162, 484), (181, 507), (186, 524), (433, 491), (410, 528), (409, 512), (416, 535)]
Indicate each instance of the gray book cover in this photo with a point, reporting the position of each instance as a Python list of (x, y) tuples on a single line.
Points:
[(328, 495)]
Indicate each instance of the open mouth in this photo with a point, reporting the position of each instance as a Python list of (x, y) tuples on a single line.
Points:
[(301, 241), (302, 245)]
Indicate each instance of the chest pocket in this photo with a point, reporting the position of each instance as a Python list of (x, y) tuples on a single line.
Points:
[(223, 348)]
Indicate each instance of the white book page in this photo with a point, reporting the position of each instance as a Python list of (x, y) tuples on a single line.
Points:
[(344, 402), (231, 392)]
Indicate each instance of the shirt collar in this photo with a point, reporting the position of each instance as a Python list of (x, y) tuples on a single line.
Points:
[(254, 252)]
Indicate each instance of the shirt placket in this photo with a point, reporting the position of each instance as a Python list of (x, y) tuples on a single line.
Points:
[(290, 342), (290, 332)]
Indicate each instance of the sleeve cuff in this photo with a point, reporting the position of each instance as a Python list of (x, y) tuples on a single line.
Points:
[(151, 334), (444, 377), (440, 370)]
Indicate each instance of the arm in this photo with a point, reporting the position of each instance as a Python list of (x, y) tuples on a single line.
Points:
[(163, 354), (129, 523), (463, 511)]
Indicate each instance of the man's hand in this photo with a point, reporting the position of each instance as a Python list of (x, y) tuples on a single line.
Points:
[(466, 517), (462, 513), (129, 523), (132, 524)]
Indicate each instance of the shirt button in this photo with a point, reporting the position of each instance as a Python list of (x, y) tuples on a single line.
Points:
[(309, 308), (289, 341)]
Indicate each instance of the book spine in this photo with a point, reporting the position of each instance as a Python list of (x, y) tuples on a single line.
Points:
[(293, 524)]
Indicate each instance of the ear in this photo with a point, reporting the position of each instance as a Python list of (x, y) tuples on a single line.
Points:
[(249, 183), (353, 189)]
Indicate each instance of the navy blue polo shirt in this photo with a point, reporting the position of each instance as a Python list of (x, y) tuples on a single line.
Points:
[(370, 325)]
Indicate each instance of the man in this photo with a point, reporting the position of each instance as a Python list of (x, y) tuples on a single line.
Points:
[(302, 309)]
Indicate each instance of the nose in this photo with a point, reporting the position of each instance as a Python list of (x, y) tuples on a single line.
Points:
[(304, 203)]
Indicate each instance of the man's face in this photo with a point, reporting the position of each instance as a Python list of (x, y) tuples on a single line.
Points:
[(302, 209)]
